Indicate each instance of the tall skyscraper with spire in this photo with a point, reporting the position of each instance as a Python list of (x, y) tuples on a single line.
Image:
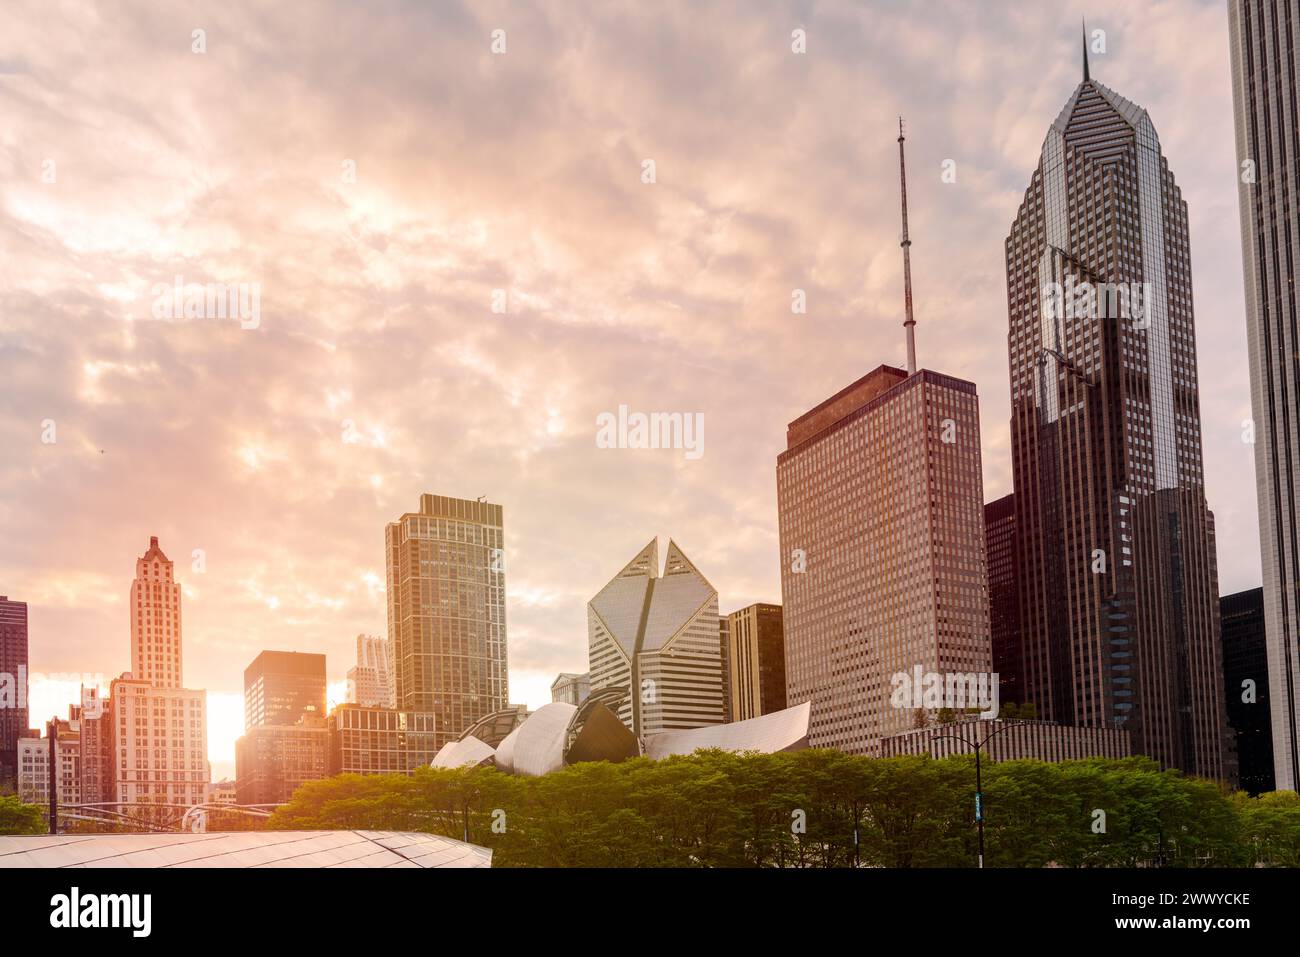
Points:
[(1264, 97), (152, 738), (156, 620), (1119, 589), (881, 507)]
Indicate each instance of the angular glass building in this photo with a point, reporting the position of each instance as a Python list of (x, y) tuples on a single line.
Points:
[(657, 635), (1268, 154), (1119, 613)]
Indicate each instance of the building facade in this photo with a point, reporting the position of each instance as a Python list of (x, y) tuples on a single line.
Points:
[(285, 741), (881, 505), (97, 757), (1004, 594), (370, 681), (1264, 100), (159, 747), (755, 657), (13, 686), (1013, 741), (33, 785), (1247, 688), (657, 635), (283, 687), (1119, 588), (156, 620), (158, 740), (571, 688), (223, 792), (380, 740), (271, 761), (447, 611)]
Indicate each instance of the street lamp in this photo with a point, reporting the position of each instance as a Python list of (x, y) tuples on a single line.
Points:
[(979, 782)]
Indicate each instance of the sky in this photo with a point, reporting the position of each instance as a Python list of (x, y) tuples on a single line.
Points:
[(382, 178)]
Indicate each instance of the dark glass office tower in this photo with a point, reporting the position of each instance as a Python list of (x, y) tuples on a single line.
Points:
[(1119, 606), (1246, 687), (13, 673), (1263, 36), (283, 687), (1004, 594)]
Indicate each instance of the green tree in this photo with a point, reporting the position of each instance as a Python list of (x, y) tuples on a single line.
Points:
[(19, 818)]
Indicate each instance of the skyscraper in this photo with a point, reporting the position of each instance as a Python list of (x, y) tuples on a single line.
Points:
[(447, 612), (285, 739), (1119, 589), (881, 502), (1246, 687), (370, 682), (159, 744), (657, 636), (13, 686), (755, 656), (283, 687), (1264, 98), (156, 620), (1004, 594)]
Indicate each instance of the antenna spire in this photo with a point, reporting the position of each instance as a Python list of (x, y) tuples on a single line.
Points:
[(909, 323), (1086, 78)]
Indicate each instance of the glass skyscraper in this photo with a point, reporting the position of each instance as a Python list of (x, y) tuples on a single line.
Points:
[(447, 612), (1119, 614), (13, 672), (1264, 98), (657, 637)]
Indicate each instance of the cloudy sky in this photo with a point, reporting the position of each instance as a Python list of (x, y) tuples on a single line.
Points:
[(378, 369)]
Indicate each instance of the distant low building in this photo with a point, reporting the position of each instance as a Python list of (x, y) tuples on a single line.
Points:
[(370, 681), (1012, 740), (273, 761), (97, 759), (571, 688), (33, 783), (223, 792), (379, 740)]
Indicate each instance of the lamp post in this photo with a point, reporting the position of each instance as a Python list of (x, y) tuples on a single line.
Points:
[(978, 747), (52, 732)]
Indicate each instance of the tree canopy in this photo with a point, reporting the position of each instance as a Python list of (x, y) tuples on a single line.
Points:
[(819, 808)]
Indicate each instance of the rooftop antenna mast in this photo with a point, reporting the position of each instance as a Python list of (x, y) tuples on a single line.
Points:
[(1086, 77), (909, 323)]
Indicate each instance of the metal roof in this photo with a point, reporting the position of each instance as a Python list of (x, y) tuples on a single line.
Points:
[(242, 849)]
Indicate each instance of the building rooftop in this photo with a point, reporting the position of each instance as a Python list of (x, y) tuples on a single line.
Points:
[(242, 849)]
